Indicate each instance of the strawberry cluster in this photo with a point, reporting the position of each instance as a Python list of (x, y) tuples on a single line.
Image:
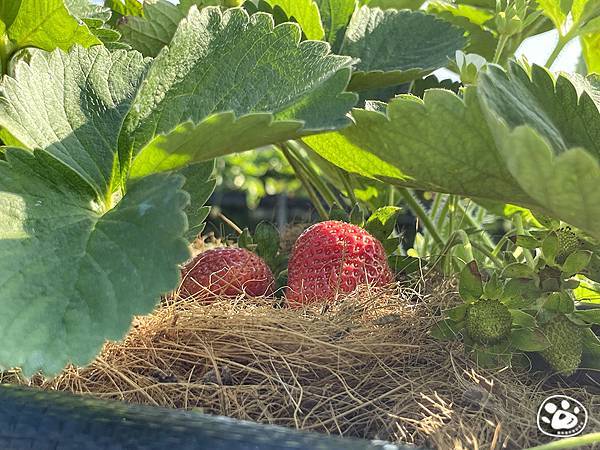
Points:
[(328, 259)]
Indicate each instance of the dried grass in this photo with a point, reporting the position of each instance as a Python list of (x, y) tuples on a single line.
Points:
[(364, 368)]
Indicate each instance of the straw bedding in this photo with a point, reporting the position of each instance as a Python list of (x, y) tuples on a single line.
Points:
[(365, 367)]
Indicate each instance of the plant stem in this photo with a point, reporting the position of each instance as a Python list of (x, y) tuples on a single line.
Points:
[(435, 205), (568, 443), (560, 45), (521, 231), (348, 186), (500, 48), (441, 217), (501, 243), (315, 178), (452, 209), (230, 222), (472, 222), (420, 212), (5, 53), (314, 198), (486, 251), (392, 196)]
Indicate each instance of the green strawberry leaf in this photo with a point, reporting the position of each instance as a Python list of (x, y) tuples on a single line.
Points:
[(200, 184), (529, 339), (82, 257), (588, 291), (477, 155), (576, 262), (126, 7), (393, 4), (528, 242), (558, 164), (522, 319), (305, 13), (382, 222), (590, 47), (404, 264), (559, 302), (71, 274), (245, 240), (92, 15), (552, 9), (42, 107), (493, 288), (470, 285), (45, 24), (565, 185), (550, 248), (150, 33), (266, 237), (591, 316), (336, 15), (459, 157), (271, 92), (517, 270), (422, 43), (562, 110), (482, 40), (447, 330), (457, 313)]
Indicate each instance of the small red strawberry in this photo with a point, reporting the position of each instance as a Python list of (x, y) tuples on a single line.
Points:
[(226, 272), (332, 257)]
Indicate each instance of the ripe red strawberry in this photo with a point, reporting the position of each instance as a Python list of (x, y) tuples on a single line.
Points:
[(334, 257), (226, 272)]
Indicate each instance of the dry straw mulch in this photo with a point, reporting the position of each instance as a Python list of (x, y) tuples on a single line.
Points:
[(365, 368)]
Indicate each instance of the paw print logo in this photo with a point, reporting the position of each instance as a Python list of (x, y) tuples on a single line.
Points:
[(561, 416)]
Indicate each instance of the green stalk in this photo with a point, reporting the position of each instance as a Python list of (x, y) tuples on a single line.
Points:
[(500, 243), (435, 205), (486, 251), (500, 48), (480, 214), (348, 185), (439, 218), (305, 182), (560, 45), (474, 224), (521, 231), (391, 196), (420, 212), (568, 443), (452, 199), (450, 264), (444, 212), (6, 48), (317, 181), (433, 213)]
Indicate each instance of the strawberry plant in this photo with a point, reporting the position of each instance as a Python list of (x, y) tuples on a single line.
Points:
[(530, 305), (105, 146), (111, 117)]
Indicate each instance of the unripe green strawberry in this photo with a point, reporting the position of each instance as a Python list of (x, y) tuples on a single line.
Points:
[(226, 272), (568, 242), (566, 345), (488, 321), (334, 257)]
